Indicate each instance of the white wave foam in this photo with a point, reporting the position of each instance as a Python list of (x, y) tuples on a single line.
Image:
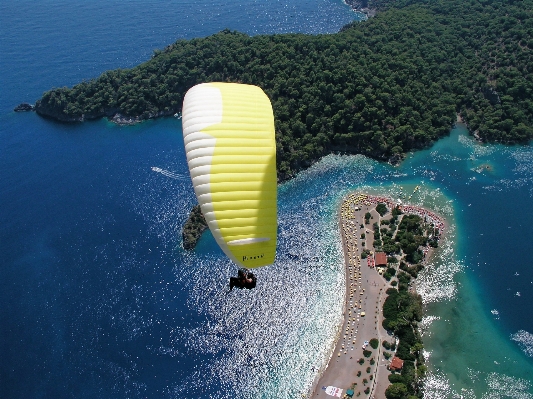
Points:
[(497, 386), (525, 341), (436, 386), (477, 149), (436, 281), (523, 171), (426, 323), (504, 386)]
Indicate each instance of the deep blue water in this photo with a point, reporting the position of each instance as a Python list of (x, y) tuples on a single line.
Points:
[(99, 300)]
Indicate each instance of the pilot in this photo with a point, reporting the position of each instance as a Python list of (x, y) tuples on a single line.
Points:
[(245, 279)]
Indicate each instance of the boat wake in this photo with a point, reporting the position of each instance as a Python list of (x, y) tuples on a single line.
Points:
[(169, 174)]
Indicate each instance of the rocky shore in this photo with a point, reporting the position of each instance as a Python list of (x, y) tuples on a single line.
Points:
[(24, 107), (111, 114), (362, 6)]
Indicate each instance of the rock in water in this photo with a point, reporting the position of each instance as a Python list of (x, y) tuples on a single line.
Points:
[(24, 107)]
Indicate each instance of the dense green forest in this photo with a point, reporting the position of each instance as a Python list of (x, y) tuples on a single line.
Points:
[(381, 87)]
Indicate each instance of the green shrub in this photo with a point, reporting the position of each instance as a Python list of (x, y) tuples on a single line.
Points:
[(367, 353), (374, 343)]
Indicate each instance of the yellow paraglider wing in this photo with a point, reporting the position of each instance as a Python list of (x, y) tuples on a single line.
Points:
[(230, 144)]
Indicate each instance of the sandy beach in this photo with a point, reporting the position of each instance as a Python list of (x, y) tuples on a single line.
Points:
[(365, 294)]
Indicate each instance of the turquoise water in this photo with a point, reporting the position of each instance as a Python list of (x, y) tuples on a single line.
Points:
[(101, 301)]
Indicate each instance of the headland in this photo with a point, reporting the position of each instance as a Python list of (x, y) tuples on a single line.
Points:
[(366, 352)]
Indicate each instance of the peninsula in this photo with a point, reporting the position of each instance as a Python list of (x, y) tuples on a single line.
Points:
[(386, 244), (381, 87), (193, 228)]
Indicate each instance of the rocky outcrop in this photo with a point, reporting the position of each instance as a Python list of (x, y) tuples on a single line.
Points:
[(362, 6), (120, 119), (24, 107)]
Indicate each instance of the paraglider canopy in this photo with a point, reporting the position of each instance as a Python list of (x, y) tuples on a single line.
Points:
[(228, 130)]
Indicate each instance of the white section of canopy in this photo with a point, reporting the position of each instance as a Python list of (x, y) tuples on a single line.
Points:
[(202, 107)]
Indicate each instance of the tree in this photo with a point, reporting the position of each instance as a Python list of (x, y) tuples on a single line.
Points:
[(397, 390), (381, 209), (395, 378)]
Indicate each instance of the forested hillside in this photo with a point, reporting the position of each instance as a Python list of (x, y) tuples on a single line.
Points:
[(380, 87)]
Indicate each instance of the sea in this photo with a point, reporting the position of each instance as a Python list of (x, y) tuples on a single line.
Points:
[(99, 299)]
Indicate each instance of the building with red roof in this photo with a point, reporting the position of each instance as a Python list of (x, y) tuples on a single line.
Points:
[(381, 259), (396, 364)]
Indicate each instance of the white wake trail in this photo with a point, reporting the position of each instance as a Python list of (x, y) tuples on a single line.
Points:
[(169, 174)]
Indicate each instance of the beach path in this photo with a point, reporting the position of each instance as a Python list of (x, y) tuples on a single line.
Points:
[(365, 293)]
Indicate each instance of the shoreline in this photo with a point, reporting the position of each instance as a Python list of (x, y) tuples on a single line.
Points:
[(357, 6), (362, 307)]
